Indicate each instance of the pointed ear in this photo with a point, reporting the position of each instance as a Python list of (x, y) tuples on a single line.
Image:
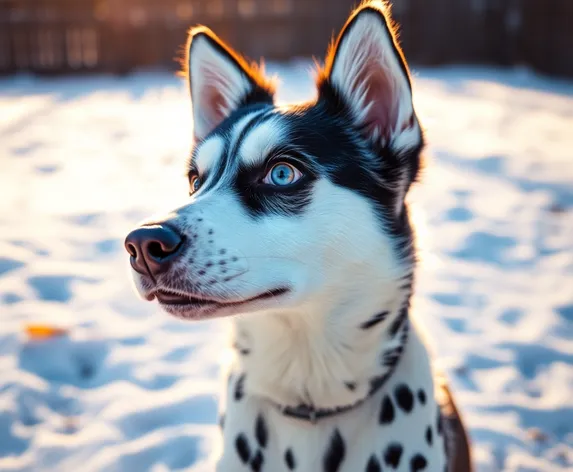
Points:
[(367, 70), (220, 80)]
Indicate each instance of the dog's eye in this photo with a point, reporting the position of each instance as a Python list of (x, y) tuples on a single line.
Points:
[(282, 174), (194, 183)]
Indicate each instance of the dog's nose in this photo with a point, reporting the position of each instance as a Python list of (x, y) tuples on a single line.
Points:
[(152, 248)]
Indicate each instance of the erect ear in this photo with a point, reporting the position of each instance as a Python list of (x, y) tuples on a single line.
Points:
[(367, 70), (220, 80)]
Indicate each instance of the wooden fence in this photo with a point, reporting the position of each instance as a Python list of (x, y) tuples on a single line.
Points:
[(65, 36)]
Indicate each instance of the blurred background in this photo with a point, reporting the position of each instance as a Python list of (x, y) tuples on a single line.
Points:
[(67, 36), (95, 128)]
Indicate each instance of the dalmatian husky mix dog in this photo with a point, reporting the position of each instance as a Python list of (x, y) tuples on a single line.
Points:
[(297, 227)]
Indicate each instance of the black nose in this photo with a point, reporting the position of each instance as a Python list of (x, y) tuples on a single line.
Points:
[(152, 248)]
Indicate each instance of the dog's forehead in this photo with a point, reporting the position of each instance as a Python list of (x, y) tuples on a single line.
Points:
[(269, 133), (209, 152), (247, 140)]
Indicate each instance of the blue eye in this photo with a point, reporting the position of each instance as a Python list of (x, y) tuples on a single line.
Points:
[(194, 184), (282, 174)]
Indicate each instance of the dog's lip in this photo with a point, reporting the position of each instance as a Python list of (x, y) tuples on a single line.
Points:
[(166, 297)]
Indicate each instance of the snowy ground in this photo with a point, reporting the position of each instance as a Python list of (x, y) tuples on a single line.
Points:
[(130, 389)]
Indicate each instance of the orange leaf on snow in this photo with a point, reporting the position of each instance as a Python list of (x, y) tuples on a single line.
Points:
[(42, 331)]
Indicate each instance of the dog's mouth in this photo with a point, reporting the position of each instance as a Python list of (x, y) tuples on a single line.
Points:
[(173, 301)]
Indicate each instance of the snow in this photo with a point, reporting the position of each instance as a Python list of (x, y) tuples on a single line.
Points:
[(130, 389)]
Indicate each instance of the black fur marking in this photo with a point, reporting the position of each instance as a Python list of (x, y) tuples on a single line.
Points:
[(335, 453), (242, 447), (228, 156), (439, 423), (289, 459), (261, 199), (374, 320), (391, 357), (261, 431), (377, 382), (393, 454), (350, 386), (418, 462), (404, 398), (257, 462), (422, 396), (399, 321), (240, 388), (387, 411), (429, 435), (373, 465)]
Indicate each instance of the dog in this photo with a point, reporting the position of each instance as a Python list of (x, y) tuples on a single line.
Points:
[(297, 226)]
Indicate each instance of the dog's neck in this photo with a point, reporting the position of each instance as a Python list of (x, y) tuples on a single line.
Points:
[(329, 354)]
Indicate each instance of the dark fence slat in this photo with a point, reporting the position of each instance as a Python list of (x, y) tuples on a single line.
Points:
[(70, 36)]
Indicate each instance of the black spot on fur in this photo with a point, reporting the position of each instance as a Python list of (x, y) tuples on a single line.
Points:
[(350, 386), (374, 320), (393, 454), (387, 411), (418, 462), (404, 398), (257, 462), (240, 388), (289, 459), (335, 453), (422, 396), (242, 447), (439, 423), (373, 465), (261, 432), (429, 435)]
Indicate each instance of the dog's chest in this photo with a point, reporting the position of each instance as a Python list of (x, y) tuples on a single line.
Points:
[(398, 429)]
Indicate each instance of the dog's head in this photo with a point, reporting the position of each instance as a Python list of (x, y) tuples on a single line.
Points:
[(289, 205)]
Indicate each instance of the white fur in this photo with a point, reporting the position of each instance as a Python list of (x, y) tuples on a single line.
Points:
[(209, 152), (362, 434), (300, 352), (257, 144)]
